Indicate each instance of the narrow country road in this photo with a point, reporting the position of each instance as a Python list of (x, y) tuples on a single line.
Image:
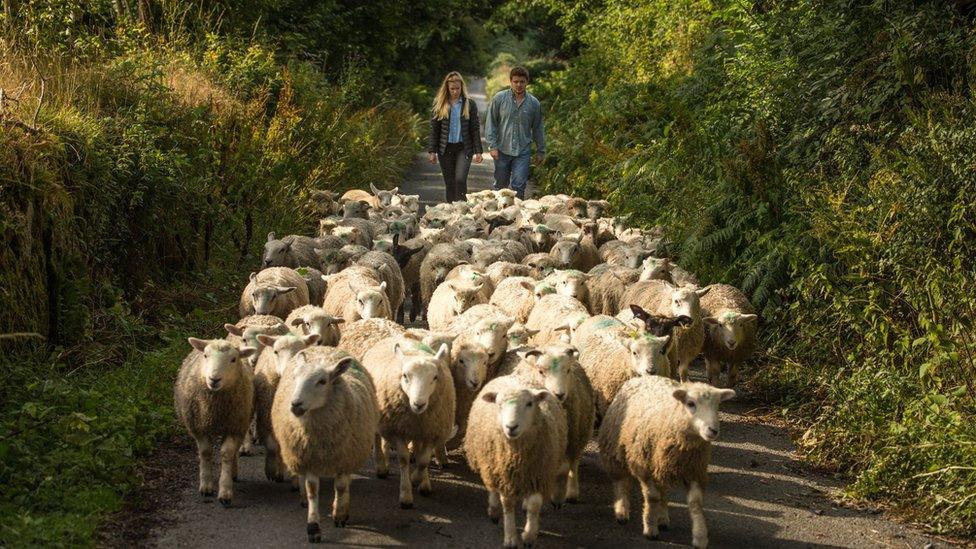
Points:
[(759, 495)]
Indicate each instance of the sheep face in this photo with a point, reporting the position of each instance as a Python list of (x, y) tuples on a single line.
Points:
[(686, 301), (373, 302), (322, 324), (730, 328), (221, 365), (570, 284), (596, 208), (333, 261), (700, 403), (519, 335), (634, 256), (655, 269), (419, 376), (554, 365), (349, 235), (648, 354), (543, 289), (355, 209), (314, 382), (471, 365), (492, 335), (565, 250), (385, 197), (409, 202), (465, 296), (250, 335), (277, 253), (285, 347), (383, 245), (517, 409), (264, 297)]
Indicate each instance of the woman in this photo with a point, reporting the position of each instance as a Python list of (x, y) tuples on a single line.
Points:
[(455, 135)]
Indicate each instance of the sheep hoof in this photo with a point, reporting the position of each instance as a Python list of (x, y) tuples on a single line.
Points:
[(314, 532), (425, 491), (225, 502), (557, 505), (622, 520), (207, 493), (382, 475), (340, 523), (406, 505), (651, 535)]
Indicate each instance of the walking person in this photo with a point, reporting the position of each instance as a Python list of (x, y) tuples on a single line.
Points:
[(514, 123), (455, 135)]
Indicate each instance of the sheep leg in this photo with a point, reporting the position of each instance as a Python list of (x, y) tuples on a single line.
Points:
[(562, 478), (441, 457), (247, 447), (406, 489), (421, 475), (273, 467), (494, 506), (652, 502), (713, 369), (415, 302), (683, 366), (511, 528), (532, 504), (340, 506), (312, 493), (663, 517), (228, 466), (733, 374), (621, 503), (382, 452), (572, 483), (699, 531), (205, 454)]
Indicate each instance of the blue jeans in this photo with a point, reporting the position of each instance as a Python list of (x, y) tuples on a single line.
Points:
[(512, 172)]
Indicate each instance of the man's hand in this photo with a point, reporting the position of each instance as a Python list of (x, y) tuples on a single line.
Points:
[(478, 159), (539, 158), (494, 154), (432, 158)]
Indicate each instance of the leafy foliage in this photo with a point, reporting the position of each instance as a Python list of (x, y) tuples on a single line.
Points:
[(817, 155)]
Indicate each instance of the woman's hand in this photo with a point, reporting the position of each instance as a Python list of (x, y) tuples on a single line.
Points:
[(478, 159), (494, 154), (432, 158)]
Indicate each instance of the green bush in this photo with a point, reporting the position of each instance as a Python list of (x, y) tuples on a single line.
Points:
[(819, 156)]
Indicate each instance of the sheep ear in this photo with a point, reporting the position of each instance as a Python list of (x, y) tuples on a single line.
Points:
[(336, 320), (572, 352), (271, 236), (311, 339), (639, 312), (701, 292), (532, 332), (383, 284), (341, 367), (527, 285), (233, 330), (680, 395), (268, 340), (726, 394), (749, 318), (398, 352), (395, 190), (710, 320), (298, 321), (253, 276), (489, 396), (540, 395), (443, 352), (198, 344), (282, 290), (245, 352), (300, 359), (374, 189)]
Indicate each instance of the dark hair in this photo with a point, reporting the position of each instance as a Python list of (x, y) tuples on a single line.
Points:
[(519, 71)]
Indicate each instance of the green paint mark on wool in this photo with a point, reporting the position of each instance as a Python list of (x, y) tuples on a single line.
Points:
[(605, 323), (302, 271), (554, 365), (423, 347)]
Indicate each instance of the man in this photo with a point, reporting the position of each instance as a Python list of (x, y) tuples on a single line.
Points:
[(514, 122)]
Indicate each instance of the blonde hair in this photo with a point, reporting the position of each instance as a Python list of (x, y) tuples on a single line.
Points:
[(442, 99)]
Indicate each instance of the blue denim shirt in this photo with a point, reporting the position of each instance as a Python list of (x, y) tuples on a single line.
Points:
[(512, 127), (454, 131)]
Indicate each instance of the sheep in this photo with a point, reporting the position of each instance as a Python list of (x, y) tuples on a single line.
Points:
[(542, 264), (597, 323), (570, 283), (518, 335), (515, 296), (334, 260), (355, 293), (653, 268), (360, 336), (316, 286), (214, 397), (247, 329), (274, 291), (323, 202), (469, 370), (659, 325), (385, 198), (353, 236), (540, 238), (471, 275), (575, 252), (573, 207), (417, 403), (561, 223), (556, 367), (552, 314), (730, 331), (511, 251), (410, 256), (436, 265), (660, 432), (516, 442), (486, 325), (614, 354), (311, 319), (500, 270), (291, 251), (358, 195), (325, 415), (606, 288), (660, 298), (267, 373), (452, 298), (626, 256), (595, 209), (505, 197), (388, 269), (409, 202)]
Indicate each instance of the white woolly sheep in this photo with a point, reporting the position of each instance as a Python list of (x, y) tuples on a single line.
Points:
[(660, 432), (436, 265), (452, 298), (213, 398), (542, 264), (361, 335), (291, 251), (417, 403), (516, 442), (388, 269), (325, 415), (515, 296), (500, 270), (575, 252), (552, 314), (311, 319), (613, 355), (605, 288), (730, 331), (274, 291), (355, 293)]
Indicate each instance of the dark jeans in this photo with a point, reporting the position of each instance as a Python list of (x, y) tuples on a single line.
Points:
[(512, 172), (454, 166)]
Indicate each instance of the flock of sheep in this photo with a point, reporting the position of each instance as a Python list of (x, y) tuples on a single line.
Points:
[(546, 319)]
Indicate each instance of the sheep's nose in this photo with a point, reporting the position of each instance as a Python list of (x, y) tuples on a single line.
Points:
[(419, 407), (297, 408), (712, 432), (561, 396), (511, 430), (267, 262), (214, 383)]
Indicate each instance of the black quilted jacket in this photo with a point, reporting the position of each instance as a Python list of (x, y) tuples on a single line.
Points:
[(470, 132)]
